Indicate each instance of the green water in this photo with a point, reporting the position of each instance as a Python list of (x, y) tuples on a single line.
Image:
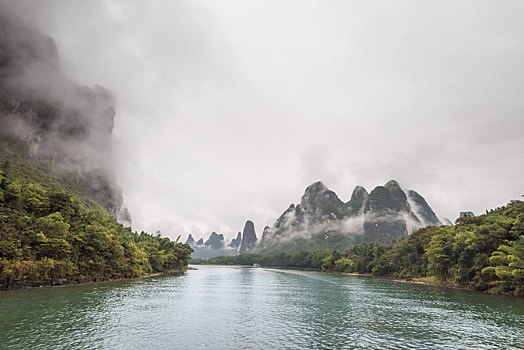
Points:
[(238, 308)]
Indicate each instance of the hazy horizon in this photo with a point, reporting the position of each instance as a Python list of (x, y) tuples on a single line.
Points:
[(227, 111)]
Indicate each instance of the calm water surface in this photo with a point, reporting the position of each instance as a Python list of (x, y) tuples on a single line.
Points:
[(238, 308)]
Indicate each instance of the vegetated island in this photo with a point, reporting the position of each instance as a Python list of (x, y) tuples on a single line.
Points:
[(483, 253)]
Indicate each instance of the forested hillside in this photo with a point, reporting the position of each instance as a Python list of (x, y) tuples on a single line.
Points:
[(59, 198), (53, 232), (483, 253)]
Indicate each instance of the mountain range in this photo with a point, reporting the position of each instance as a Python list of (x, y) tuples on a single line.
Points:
[(321, 220), (215, 244)]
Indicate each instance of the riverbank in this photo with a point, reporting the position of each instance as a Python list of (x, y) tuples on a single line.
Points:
[(431, 282), (64, 282), (415, 280), (293, 268), (426, 281)]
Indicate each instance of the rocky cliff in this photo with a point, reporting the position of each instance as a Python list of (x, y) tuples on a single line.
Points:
[(249, 237), (422, 209), (215, 241), (190, 240), (235, 242), (45, 116), (387, 214)]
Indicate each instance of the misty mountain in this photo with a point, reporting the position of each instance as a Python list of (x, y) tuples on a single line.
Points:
[(235, 243), (249, 237), (212, 247), (215, 241), (190, 240), (322, 220), (318, 205), (47, 117), (356, 203), (387, 214), (422, 209), (215, 245), (446, 221)]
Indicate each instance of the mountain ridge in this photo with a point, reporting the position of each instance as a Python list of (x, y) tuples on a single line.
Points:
[(383, 215)]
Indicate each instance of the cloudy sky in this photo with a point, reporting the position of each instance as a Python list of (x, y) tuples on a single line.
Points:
[(227, 110)]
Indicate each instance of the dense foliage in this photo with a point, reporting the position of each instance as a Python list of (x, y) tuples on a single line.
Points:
[(49, 236), (315, 242), (307, 259), (484, 253)]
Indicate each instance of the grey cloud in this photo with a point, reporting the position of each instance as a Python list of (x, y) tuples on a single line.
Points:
[(226, 111)]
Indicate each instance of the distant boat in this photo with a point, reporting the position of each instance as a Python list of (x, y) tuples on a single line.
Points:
[(256, 266)]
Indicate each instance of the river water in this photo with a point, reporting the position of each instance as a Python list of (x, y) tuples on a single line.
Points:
[(242, 308)]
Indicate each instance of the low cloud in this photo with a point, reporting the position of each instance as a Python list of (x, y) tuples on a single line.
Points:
[(226, 112)]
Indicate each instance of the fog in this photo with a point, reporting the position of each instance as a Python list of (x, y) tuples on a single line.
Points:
[(227, 110)]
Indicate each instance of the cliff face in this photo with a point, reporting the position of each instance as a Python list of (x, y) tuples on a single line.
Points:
[(355, 205), (190, 240), (249, 237), (422, 209), (49, 118), (387, 214), (235, 243), (215, 241)]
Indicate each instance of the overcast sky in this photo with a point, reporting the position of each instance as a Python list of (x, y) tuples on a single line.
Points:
[(227, 110)]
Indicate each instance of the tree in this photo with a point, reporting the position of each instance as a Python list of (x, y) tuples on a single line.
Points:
[(440, 255), (507, 270)]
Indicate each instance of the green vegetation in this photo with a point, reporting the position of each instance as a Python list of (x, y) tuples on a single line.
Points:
[(483, 253), (307, 259), (316, 242), (51, 231), (16, 164)]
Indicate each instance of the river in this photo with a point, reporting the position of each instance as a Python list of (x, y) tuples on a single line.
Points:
[(242, 308)]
